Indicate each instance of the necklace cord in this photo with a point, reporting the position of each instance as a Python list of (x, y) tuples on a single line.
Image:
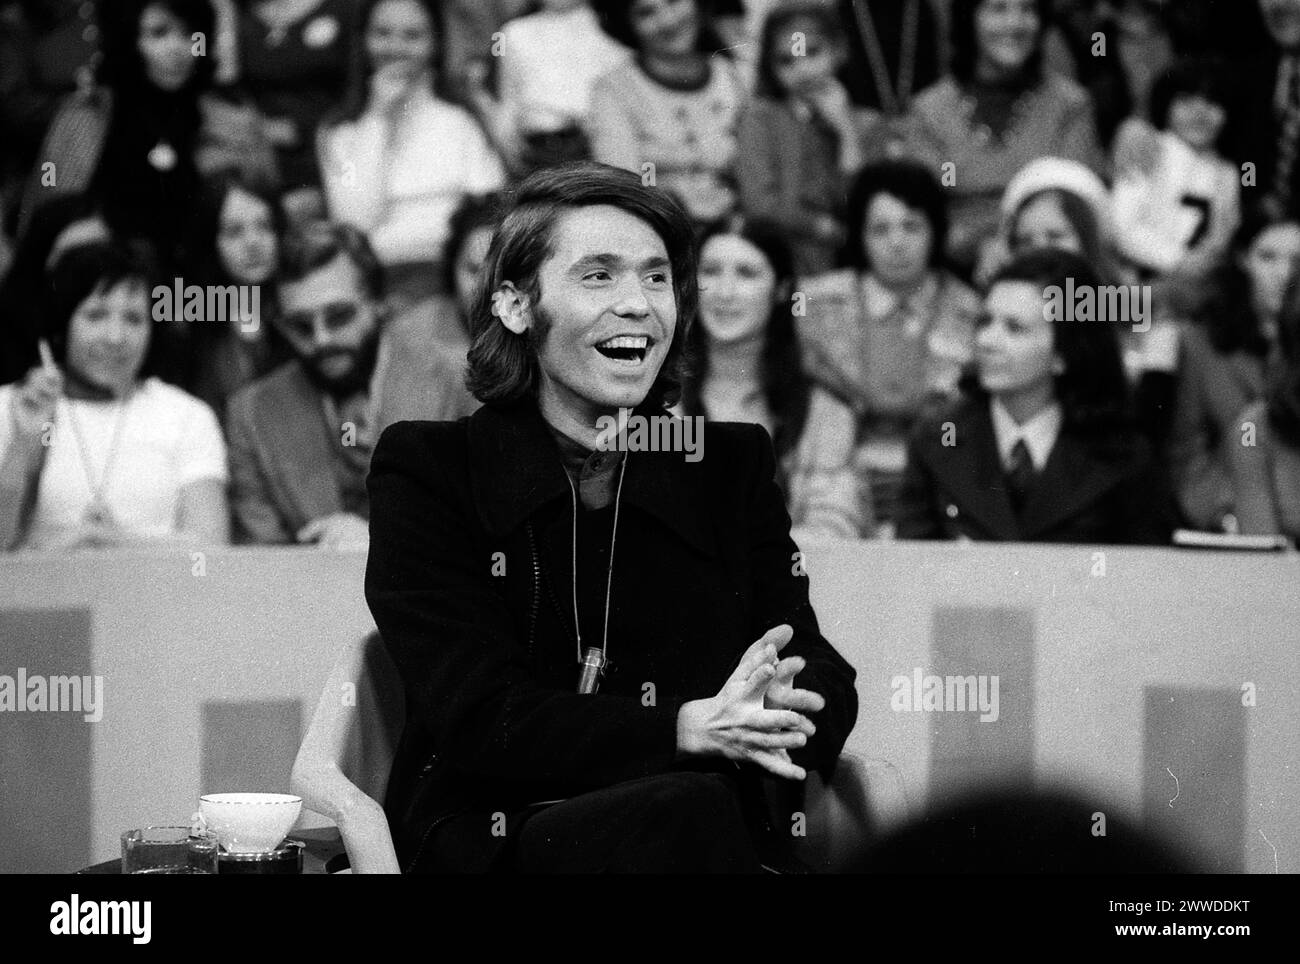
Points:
[(609, 573)]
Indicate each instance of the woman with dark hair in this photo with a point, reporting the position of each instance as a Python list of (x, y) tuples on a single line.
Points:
[(1044, 447), (670, 114), (889, 335), (1055, 203), (801, 139), (94, 451), (995, 112), (397, 159), (1225, 360), (138, 142), (746, 368), (1265, 466), (293, 60), (236, 241), (55, 226)]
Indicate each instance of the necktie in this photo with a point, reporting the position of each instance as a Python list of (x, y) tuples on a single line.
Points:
[(1020, 475), (1288, 138)]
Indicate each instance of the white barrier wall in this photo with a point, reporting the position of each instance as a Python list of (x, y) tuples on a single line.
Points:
[(1163, 683)]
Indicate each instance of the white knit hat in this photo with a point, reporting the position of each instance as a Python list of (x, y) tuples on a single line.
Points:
[(1058, 173)]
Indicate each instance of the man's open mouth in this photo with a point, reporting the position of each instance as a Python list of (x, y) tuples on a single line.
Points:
[(630, 349)]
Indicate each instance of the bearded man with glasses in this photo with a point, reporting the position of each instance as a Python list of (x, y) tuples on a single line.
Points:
[(301, 436)]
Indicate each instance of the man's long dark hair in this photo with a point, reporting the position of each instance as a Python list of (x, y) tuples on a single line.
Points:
[(1092, 390), (784, 386), (503, 365)]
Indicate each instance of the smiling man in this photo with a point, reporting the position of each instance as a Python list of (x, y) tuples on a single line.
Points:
[(599, 649)]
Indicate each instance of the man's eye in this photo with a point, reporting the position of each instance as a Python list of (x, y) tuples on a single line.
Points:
[(596, 275)]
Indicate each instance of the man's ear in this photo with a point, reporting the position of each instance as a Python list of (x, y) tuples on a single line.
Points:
[(510, 306)]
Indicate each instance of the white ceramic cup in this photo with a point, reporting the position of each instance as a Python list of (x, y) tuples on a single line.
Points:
[(250, 823)]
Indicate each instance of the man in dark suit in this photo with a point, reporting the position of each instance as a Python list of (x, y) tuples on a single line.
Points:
[(301, 436), (599, 643)]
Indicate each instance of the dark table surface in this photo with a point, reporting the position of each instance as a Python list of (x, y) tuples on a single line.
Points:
[(322, 854)]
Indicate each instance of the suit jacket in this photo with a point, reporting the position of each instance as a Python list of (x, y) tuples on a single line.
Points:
[(281, 446), (470, 582), (1088, 492)]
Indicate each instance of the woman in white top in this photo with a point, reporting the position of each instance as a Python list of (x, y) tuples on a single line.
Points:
[(547, 64), (397, 160), (93, 453)]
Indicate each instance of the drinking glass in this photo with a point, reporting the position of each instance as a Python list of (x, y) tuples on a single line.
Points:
[(168, 850)]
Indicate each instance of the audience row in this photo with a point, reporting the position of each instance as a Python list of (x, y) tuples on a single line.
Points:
[(880, 216)]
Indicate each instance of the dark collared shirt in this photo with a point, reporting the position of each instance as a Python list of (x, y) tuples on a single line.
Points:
[(595, 473)]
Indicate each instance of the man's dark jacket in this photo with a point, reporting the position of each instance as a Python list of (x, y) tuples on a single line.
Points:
[(469, 581)]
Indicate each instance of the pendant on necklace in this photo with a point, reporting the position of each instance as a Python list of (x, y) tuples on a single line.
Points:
[(98, 513), (162, 157)]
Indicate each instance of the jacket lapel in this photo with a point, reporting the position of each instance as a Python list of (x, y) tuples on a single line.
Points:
[(971, 473), (1072, 479), (516, 467), (1249, 373), (831, 335), (514, 463), (297, 450)]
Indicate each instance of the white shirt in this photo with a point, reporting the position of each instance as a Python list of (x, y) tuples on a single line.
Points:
[(1185, 196), (549, 63), (1039, 433), (167, 438), (401, 183)]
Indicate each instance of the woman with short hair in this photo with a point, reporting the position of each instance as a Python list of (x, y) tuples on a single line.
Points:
[(94, 450)]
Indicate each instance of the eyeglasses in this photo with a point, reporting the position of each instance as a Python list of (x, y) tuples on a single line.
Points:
[(333, 316), (786, 57)]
